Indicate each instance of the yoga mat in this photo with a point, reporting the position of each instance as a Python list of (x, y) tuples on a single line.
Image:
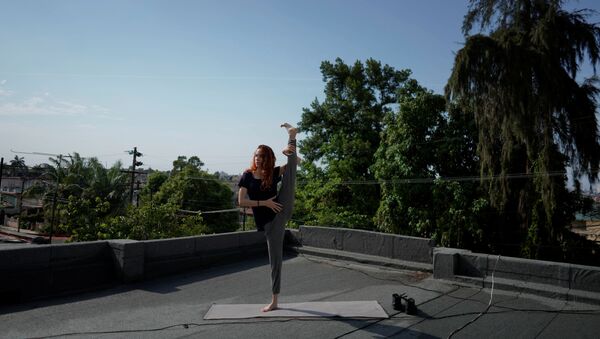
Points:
[(344, 309)]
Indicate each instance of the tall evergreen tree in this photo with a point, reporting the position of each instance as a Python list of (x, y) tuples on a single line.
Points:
[(533, 116)]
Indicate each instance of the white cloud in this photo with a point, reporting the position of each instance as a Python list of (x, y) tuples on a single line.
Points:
[(47, 105), (85, 126), (5, 92)]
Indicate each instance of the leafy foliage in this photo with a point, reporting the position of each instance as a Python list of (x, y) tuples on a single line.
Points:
[(423, 149), (87, 194), (154, 221), (18, 167), (190, 188), (92, 201), (342, 137), (532, 115)]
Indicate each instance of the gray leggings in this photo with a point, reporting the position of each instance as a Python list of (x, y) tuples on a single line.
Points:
[(275, 230)]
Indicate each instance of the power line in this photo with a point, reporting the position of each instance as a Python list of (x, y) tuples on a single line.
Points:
[(446, 179), (210, 212), (42, 153)]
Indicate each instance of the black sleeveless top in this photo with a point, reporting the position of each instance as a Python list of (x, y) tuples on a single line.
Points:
[(262, 215)]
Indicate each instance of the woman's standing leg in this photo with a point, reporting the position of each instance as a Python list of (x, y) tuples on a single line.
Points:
[(275, 230)]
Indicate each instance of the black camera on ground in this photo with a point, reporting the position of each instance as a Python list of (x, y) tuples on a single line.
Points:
[(399, 300)]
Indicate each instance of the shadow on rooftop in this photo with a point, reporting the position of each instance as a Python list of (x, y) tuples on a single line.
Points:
[(161, 285)]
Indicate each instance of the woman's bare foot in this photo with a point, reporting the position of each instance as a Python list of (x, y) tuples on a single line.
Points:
[(292, 131), (269, 307), (272, 306)]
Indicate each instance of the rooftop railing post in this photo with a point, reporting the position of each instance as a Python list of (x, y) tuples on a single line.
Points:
[(244, 220)]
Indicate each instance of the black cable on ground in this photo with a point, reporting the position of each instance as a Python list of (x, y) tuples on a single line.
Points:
[(187, 326)]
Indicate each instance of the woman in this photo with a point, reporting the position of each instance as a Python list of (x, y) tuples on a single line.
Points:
[(271, 209)]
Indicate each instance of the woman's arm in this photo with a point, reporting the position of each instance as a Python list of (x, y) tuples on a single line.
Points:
[(243, 201)]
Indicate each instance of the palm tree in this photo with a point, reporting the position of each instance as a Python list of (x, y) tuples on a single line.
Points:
[(86, 192), (534, 118), (18, 166)]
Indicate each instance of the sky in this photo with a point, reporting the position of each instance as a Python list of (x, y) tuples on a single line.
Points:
[(212, 79)]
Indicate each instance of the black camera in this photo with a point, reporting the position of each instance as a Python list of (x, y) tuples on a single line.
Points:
[(398, 304)]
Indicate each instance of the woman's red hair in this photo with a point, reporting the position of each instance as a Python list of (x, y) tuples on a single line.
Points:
[(268, 165)]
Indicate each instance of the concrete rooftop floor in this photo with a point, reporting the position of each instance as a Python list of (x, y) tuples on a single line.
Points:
[(174, 306)]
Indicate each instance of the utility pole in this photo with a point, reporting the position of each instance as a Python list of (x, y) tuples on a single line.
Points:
[(1, 208), (1, 171), (137, 196), (54, 199), (134, 164), (21, 204)]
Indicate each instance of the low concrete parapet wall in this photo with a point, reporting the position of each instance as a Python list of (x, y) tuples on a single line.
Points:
[(128, 258), (366, 242), (34, 271), (167, 256), (569, 281)]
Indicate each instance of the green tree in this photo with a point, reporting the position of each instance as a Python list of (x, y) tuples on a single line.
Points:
[(87, 195), (408, 152), (182, 162), (533, 116), (423, 164), (153, 221), (193, 189), (18, 166), (155, 181), (342, 135)]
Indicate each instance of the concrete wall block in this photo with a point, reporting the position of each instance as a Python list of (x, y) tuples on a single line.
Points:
[(472, 265), (69, 278), (564, 275), (171, 266), (216, 242), (18, 286), (535, 271), (27, 257), (293, 237), (586, 278), (128, 258), (126, 248), (132, 269), (323, 237), (165, 248), (79, 251), (412, 249), (447, 261), (444, 263), (371, 243), (251, 238)]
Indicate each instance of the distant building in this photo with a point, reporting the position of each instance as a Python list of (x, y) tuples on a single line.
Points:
[(16, 184), (11, 195)]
